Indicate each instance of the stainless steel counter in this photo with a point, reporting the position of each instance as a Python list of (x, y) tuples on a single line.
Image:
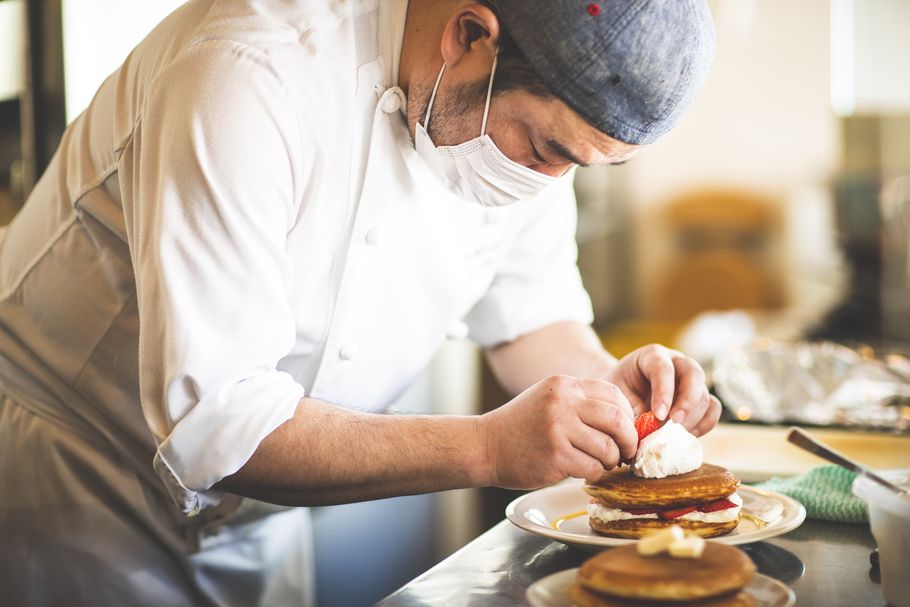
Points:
[(826, 564)]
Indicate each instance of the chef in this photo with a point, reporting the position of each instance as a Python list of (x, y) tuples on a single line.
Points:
[(260, 231)]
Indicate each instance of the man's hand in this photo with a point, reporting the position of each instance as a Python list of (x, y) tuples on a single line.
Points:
[(666, 382), (559, 427)]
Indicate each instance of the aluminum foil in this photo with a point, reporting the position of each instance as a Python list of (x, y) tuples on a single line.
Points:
[(821, 384)]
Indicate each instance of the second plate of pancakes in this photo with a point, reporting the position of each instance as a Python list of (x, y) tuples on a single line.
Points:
[(558, 512), (553, 591)]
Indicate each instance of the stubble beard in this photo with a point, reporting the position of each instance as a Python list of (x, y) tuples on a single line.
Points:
[(457, 111)]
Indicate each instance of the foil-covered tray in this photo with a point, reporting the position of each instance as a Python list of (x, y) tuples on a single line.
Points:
[(817, 383)]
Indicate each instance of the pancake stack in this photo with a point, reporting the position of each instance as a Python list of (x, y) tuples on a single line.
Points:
[(703, 502), (622, 577)]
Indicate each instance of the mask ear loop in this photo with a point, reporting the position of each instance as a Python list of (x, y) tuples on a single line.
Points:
[(486, 107), (426, 119)]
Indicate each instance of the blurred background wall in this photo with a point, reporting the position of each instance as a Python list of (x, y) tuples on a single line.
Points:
[(780, 208), (769, 196)]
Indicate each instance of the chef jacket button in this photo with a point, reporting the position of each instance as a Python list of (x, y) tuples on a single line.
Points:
[(347, 352), (391, 101), (374, 236)]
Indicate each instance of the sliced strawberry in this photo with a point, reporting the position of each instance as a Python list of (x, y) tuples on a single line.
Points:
[(646, 423), (721, 504), (675, 513), (641, 511)]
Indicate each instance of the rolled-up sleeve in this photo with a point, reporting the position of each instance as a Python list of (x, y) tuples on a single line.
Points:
[(210, 182), (538, 282)]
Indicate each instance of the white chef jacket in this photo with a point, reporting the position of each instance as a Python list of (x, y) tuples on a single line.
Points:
[(238, 219)]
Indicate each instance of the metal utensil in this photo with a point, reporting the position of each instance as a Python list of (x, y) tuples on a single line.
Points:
[(804, 441)]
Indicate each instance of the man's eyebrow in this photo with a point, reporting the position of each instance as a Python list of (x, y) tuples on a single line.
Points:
[(558, 148)]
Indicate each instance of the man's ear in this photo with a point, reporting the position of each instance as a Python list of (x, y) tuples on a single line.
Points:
[(472, 28)]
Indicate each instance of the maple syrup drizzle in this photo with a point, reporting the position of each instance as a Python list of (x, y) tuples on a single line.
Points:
[(555, 524), (757, 521)]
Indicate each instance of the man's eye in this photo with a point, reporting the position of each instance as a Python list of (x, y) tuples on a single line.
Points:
[(537, 155)]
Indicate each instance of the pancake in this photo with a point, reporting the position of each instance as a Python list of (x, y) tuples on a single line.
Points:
[(619, 488), (635, 528), (622, 572), (585, 598)]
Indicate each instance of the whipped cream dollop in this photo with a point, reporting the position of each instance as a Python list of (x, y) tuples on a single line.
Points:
[(667, 451)]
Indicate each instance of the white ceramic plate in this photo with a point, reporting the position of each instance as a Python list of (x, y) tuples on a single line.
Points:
[(553, 591), (545, 513)]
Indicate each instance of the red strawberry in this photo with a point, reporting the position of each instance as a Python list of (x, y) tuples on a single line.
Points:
[(678, 512), (641, 511), (646, 424), (721, 504)]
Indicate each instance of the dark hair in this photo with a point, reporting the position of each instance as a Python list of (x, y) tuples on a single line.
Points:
[(514, 71)]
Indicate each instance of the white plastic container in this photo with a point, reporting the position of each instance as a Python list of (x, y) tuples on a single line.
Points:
[(889, 518)]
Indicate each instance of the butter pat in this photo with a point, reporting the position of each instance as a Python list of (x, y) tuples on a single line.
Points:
[(689, 547), (673, 540), (660, 541)]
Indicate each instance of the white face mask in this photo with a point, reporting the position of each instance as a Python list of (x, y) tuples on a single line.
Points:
[(477, 170)]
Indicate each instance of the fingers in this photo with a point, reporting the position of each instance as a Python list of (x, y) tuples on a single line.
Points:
[(710, 418), (677, 389), (677, 383), (657, 367), (597, 389), (639, 405), (598, 445), (690, 399), (691, 411), (612, 421), (586, 467)]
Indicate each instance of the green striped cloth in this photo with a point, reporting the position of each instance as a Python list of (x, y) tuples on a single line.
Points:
[(825, 492)]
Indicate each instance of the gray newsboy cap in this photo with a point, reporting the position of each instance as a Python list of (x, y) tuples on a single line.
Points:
[(629, 67)]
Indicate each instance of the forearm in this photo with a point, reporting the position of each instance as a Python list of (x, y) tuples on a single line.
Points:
[(330, 455), (568, 348)]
